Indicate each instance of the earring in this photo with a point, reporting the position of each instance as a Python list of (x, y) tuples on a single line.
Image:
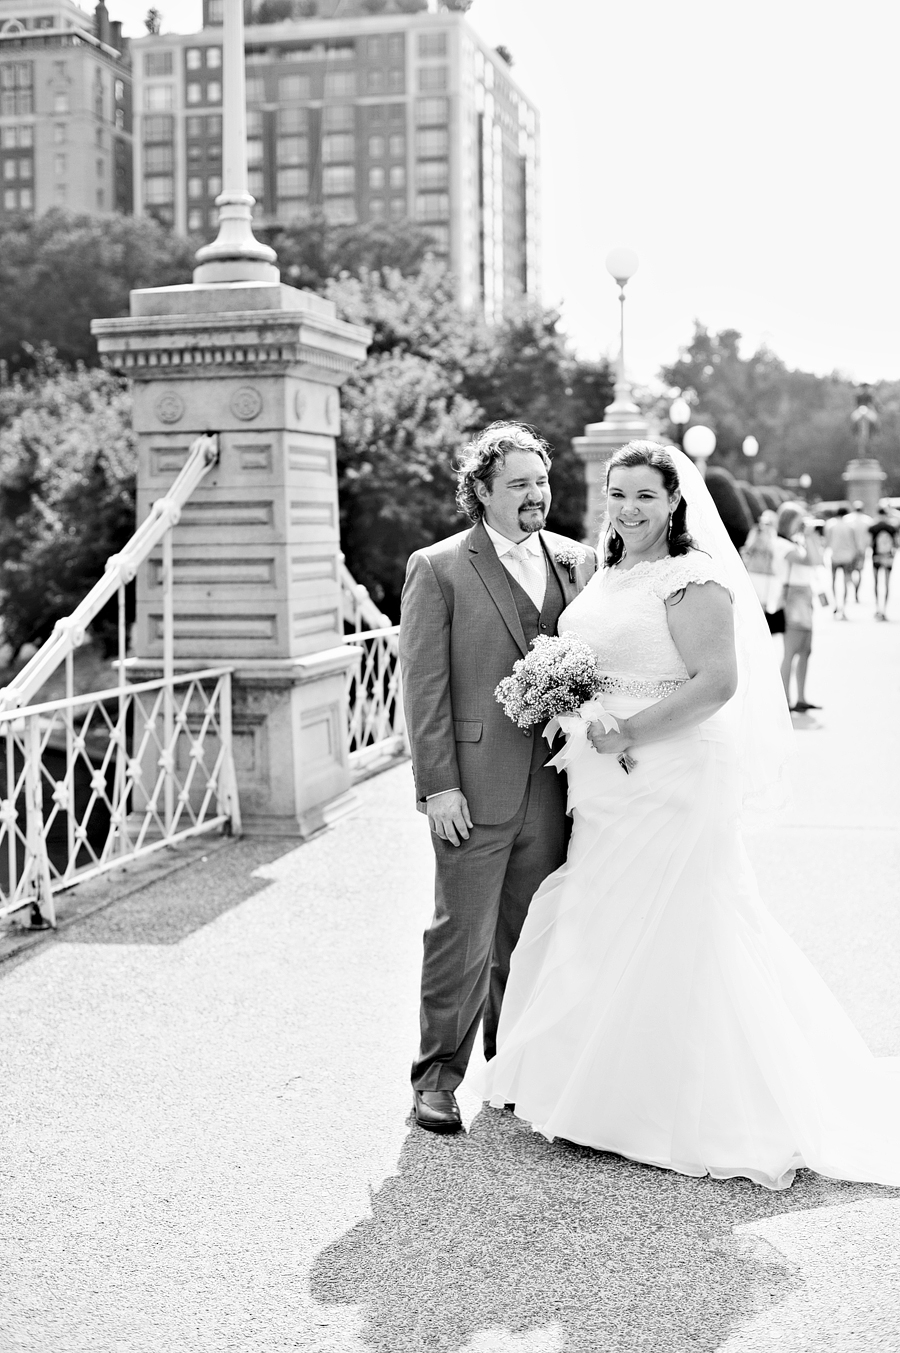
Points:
[(669, 528)]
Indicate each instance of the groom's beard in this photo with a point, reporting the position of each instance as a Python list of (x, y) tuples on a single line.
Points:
[(528, 518)]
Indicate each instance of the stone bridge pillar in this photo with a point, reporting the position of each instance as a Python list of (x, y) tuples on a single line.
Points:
[(255, 569)]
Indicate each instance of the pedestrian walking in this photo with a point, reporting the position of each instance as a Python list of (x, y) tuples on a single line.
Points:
[(860, 523), (885, 534), (842, 542), (797, 559), (758, 555)]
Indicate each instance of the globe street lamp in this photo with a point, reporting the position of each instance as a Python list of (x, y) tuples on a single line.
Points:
[(805, 482), (622, 264), (680, 416), (700, 443), (750, 448)]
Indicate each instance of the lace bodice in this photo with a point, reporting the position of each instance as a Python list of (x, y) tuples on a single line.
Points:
[(622, 615)]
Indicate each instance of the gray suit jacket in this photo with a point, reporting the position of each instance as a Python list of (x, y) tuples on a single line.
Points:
[(460, 634)]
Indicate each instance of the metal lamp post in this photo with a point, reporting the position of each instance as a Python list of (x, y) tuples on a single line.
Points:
[(622, 264), (700, 443), (680, 416), (750, 448)]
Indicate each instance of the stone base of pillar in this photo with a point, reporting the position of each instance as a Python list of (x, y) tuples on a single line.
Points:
[(595, 448), (290, 739), (865, 483)]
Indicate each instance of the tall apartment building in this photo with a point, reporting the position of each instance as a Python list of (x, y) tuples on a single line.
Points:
[(363, 115), (65, 109)]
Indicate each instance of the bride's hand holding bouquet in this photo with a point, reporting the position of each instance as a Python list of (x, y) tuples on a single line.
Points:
[(556, 683)]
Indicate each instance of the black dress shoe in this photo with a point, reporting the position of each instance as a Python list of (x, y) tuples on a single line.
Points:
[(437, 1110)]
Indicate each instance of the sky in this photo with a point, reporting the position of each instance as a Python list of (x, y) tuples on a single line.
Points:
[(748, 152)]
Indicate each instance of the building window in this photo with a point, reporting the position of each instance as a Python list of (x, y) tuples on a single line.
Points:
[(398, 208), (194, 152), (396, 47), (158, 63), (376, 177), (98, 137), (340, 210), (60, 192), (193, 125), (293, 120), (195, 218), (376, 48), (157, 99), (441, 236), (376, 147), (158, 159), (16, 89), (337, 147), (397, 146), (26, 137), (255, 184), (292, 208), (60, 103), (59, 166), (396, 80), (434, 142), (100, 199), (292, 150), (398, 176), (9, 199), (59, 133), (432, 44), (292, 88), (214, 152), (214, 92), (119, 91), (214, 58), (432, 174), (254, 122), (9, 138), (256, 89), (101, 169), (432, 79), (120, 119), (9, 169), (291, 183), (340, 84), (255, 153), (375, 81), (338, 178), (195, 187), (156, 129), (193, 58), (214, 126), (214, 12), (26, 199), (214, 185), (194, 93), (25, 168), (338, 119), (376, 208), (432, 111), (159, 190), (432, 206)]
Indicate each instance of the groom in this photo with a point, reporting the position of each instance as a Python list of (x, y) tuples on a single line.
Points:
[(471, 607)]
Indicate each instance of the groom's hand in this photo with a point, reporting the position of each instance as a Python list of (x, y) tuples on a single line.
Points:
[(448, 816)]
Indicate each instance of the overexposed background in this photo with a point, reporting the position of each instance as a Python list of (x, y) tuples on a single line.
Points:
[(748, 152)]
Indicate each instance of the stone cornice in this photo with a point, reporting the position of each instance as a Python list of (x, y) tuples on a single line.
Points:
[(149, 347)]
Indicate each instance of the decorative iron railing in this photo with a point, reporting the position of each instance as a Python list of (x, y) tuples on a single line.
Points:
[(89, 782), (377, 726)]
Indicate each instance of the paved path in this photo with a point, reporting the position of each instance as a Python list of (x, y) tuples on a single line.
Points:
[(204, 1142)]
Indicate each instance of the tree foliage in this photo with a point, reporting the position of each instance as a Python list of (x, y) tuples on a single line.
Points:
[(59, 271), (67, 491), (801, 421)]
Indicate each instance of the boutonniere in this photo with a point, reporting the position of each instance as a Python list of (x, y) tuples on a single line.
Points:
[(570, 556)]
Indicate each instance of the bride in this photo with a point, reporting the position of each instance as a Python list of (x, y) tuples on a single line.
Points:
[(654, 1007)]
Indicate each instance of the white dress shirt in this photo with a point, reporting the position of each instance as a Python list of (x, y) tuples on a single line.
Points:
[(530, 571)]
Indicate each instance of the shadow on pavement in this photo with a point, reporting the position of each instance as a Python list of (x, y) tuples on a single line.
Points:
[(500, 1230), (168, 911)]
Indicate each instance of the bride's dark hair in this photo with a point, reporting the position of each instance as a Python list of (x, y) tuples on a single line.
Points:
[(642, 452)]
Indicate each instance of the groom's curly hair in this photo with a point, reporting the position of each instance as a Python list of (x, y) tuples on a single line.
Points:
[(485, 456)]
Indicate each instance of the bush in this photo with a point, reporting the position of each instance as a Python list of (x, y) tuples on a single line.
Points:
[(730, 504)]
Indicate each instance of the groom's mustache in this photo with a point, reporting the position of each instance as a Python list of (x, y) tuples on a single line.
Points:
[(526, 506)]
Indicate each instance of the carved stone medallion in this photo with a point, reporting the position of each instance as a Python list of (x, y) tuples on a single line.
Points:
[(300, 405), (246, 403), (332, 410), (169, 407)]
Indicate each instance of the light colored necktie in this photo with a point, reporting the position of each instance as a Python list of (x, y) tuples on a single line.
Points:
[(529, 572)]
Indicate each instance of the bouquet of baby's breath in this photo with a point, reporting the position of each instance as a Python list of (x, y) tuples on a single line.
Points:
[(556, 678)]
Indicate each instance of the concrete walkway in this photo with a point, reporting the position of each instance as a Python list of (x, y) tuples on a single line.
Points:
[(204, 1135)]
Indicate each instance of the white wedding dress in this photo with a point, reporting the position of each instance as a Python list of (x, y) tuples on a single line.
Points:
[(654, 1008)]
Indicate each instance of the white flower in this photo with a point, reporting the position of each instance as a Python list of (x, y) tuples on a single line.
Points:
[(570, 556)]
